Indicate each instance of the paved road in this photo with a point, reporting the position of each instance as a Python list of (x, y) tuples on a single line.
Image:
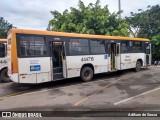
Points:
[(126, 91)]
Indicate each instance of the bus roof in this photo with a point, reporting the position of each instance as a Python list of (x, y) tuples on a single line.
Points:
[(3, 40), (41, 32)]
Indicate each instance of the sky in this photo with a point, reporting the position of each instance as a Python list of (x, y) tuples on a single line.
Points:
[(35, 14)]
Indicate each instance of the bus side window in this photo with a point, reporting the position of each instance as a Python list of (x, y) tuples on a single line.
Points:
[(124, 46), (2, 50), (117, 49), (108, 49), (79, 46), (97, 46)]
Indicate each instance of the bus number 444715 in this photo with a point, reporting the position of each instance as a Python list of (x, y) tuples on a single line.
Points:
[(87, 59)]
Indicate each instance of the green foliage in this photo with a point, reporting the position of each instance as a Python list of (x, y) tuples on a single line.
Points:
[(4, 27), (156, 39), (91, 19), (147, 24), (156, 47)]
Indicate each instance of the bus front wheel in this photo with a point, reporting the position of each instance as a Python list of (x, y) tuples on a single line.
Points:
[(86, 74), (4, 76), (138, 66)]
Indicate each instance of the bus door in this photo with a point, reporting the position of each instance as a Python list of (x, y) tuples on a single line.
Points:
[(58, 60), (115, 56), (148, 53), (118, 58)]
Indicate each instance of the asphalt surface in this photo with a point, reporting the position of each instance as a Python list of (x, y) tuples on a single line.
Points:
[(124, 91)]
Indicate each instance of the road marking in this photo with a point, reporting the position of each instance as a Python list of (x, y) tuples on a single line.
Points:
[(81, 101), (13, 94), (122, 101), (96, 92)]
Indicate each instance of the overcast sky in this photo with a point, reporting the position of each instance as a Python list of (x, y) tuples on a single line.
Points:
[(35, 14)]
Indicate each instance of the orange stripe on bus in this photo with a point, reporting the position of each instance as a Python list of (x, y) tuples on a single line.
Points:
[(53, 33), (3, 40), (14, 58)]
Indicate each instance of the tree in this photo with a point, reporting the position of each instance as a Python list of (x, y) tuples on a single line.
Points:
[(4, 27), (91, 19), (147, 24)]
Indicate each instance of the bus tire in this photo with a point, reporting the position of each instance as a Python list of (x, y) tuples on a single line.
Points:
[(138, 66), (86, 74), (4, 76)]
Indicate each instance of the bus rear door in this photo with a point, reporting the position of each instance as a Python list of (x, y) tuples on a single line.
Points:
[(115, 56)]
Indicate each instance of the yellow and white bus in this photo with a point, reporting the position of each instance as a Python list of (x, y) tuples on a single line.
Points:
[(36, 56), (3, 61)]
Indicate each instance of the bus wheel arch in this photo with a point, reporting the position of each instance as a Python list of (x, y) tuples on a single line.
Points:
[(139, 63), (4, 76), (87, 72)]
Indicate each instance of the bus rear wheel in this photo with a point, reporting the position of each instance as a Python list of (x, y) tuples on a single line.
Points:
[(4, 76), (138, 66), (86, 74)]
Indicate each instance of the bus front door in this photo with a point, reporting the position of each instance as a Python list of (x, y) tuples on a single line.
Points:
[(58, 60), (115, 56), (148, 54)]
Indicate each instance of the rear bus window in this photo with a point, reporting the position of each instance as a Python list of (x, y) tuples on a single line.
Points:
[(32, 46)]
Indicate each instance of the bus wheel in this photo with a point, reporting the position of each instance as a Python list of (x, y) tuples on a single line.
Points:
[(138, 66), (86, 74), (4, 76)]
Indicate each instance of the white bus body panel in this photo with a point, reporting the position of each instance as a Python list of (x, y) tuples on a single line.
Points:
[(109, 64), (64, 69), (14, 77), (34, 70), (75, 63), (102, 64), (9, 63), (3, 63), (128, 60), (117, 62)]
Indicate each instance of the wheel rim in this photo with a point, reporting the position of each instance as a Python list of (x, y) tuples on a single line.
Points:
[(138, 66), (86, 74)]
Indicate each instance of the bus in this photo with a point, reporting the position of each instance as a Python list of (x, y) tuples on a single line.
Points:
[(36, 56), (3, 61)]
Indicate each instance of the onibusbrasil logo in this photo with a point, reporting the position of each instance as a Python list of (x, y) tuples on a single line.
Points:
[(21, 114)]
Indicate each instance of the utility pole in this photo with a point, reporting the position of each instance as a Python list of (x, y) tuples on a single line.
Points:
[(119, 7)]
